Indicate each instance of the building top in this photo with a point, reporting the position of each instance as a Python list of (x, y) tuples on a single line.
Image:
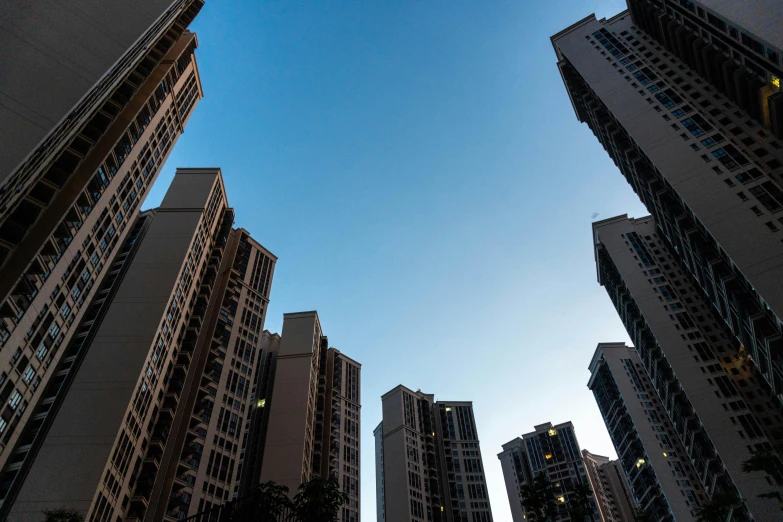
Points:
[(555, 37), (593, 456), (595, 362), (256, 243), (546, 427), (510, 445), (190, 189), (349, 359)]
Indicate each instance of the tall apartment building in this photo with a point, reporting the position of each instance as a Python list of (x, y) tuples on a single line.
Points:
[(312, 420), (549, 450), (717, 404), (685, 97), (86, 124), (662, 478), (149, 423), (252, 455), (610, 486), (428, 461)]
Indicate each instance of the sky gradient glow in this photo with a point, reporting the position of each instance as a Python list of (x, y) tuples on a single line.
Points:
[(420, 173)]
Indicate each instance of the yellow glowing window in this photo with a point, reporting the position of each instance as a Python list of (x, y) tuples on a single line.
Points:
[(561, 499), (448, 409), (552, 433), (261, 403), (640, 463), (547, 456), (441, 508), (665, 454), (775, 81)]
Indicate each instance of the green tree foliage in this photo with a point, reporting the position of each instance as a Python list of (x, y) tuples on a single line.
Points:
[(718, 508), (579, 505), (62, 515), (767, 462), (269, 501), (538, 499), (318, 500)]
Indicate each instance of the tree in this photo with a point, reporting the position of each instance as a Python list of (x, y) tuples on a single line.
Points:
[(63, 515), (580, 506), (718, 508), (318, 500), (538, 499), (767, 462), (642, 515), (268, 501)]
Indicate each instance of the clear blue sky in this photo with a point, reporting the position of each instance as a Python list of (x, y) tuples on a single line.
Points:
[(419, 172)]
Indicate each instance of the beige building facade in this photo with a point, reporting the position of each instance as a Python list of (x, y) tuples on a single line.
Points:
[(151, 426), (314, 415), (428, 460), (75, 206), (717, 401), (610, 486), (685, 98)]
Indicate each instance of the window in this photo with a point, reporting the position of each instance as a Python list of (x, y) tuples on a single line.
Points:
[(15, 399), (41, 352), (65, 311), (54, 330), (28, 375)]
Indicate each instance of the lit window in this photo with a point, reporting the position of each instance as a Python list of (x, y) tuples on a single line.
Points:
[(548, 456), (552, 433), (448, 409), (261, 403), (640, 463), (775, 81), (561, 499)]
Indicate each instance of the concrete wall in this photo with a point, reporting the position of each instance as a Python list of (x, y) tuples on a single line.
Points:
[(510, 478), (395, 469), (51, 54), (753, 248), (288, 417), (70, 464), (697, 384)]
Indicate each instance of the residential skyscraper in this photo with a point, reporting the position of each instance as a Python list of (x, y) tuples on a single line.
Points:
[(610, 486), (716, 403), (86, 125), (428, 461), (660, 473), (151, 417), (311, 422), (685, 97), (549, 450)]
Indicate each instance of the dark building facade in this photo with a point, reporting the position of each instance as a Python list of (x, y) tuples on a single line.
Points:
[(552, 451), (86, 125), (308, 414)]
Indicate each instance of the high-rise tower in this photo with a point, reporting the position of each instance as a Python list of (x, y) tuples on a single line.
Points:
[(549, 450), (610, 485), (685, 97), (311, 420), (150, 418), (717, 404), (429, 465), (93, 98)]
